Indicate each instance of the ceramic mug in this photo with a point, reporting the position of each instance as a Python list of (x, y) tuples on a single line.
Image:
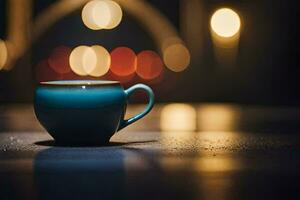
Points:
[(85, 112)]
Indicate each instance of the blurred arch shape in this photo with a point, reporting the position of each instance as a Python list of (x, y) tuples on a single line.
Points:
[(147, 15), (3, 54)]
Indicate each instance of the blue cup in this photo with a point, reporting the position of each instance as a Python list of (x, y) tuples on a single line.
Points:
[(85, 112)]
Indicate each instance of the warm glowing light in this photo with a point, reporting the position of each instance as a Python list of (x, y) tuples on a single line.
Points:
[(123, 61), (217, 117), (178, 117), (149, 65), (88, 17), (102, 64), (176, 57), (43, 72), (170, 41), (225, 22), (83, 60), (122, 79), (3, 54), (59, 60), (89, 60), (115, 14), (217, 164), (101, 14)]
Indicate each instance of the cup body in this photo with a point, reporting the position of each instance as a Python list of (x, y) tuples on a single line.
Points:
[(80, 112)]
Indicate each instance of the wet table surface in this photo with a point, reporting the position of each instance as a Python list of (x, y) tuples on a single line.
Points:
[(179, 151)]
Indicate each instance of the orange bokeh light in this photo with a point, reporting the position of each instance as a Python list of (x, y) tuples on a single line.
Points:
[(149, 65), (122, 79), (123, 61), (59, 60)]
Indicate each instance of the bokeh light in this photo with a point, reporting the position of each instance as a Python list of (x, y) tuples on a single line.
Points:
[(218, 117), (176, 57), (87, 16), (101, 14), (170, 41), (89, 60), (178, 117), (149, 65), (123, 61), (225, 22), (115, 14), (43, 72), (103, 61), (3, 54), (83, 60), (59, 60), (217, 164), (123, 79)]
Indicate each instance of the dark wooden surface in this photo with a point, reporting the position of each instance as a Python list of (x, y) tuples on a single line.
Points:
[(179, 151)]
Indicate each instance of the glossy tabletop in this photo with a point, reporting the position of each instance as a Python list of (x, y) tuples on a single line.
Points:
[(179, 151)]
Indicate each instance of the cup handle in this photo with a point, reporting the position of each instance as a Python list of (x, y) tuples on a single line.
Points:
[(128, 92)]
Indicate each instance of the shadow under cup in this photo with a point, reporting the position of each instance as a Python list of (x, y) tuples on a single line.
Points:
[(85, 112)]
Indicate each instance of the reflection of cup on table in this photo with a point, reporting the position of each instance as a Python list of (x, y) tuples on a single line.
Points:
[(85, 112)]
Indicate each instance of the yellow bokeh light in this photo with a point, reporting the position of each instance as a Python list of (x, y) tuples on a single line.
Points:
[(115, 14), (170, 41), (101, 14), (3, 54), (178, 117), (176, 57), (217, 164), (87, 15), (225, 22), (89, 60), (82, 60), (103, 61), (218, 117)]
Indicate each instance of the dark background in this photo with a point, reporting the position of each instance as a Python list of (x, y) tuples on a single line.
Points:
[(266, 70)]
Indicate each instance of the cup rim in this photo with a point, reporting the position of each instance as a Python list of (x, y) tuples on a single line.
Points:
[(77, 83)]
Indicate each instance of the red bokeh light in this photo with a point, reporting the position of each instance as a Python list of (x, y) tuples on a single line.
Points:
[(149, 65), (157, 80), (43, 72), (123, 61), (121, 79), (59, 60)]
